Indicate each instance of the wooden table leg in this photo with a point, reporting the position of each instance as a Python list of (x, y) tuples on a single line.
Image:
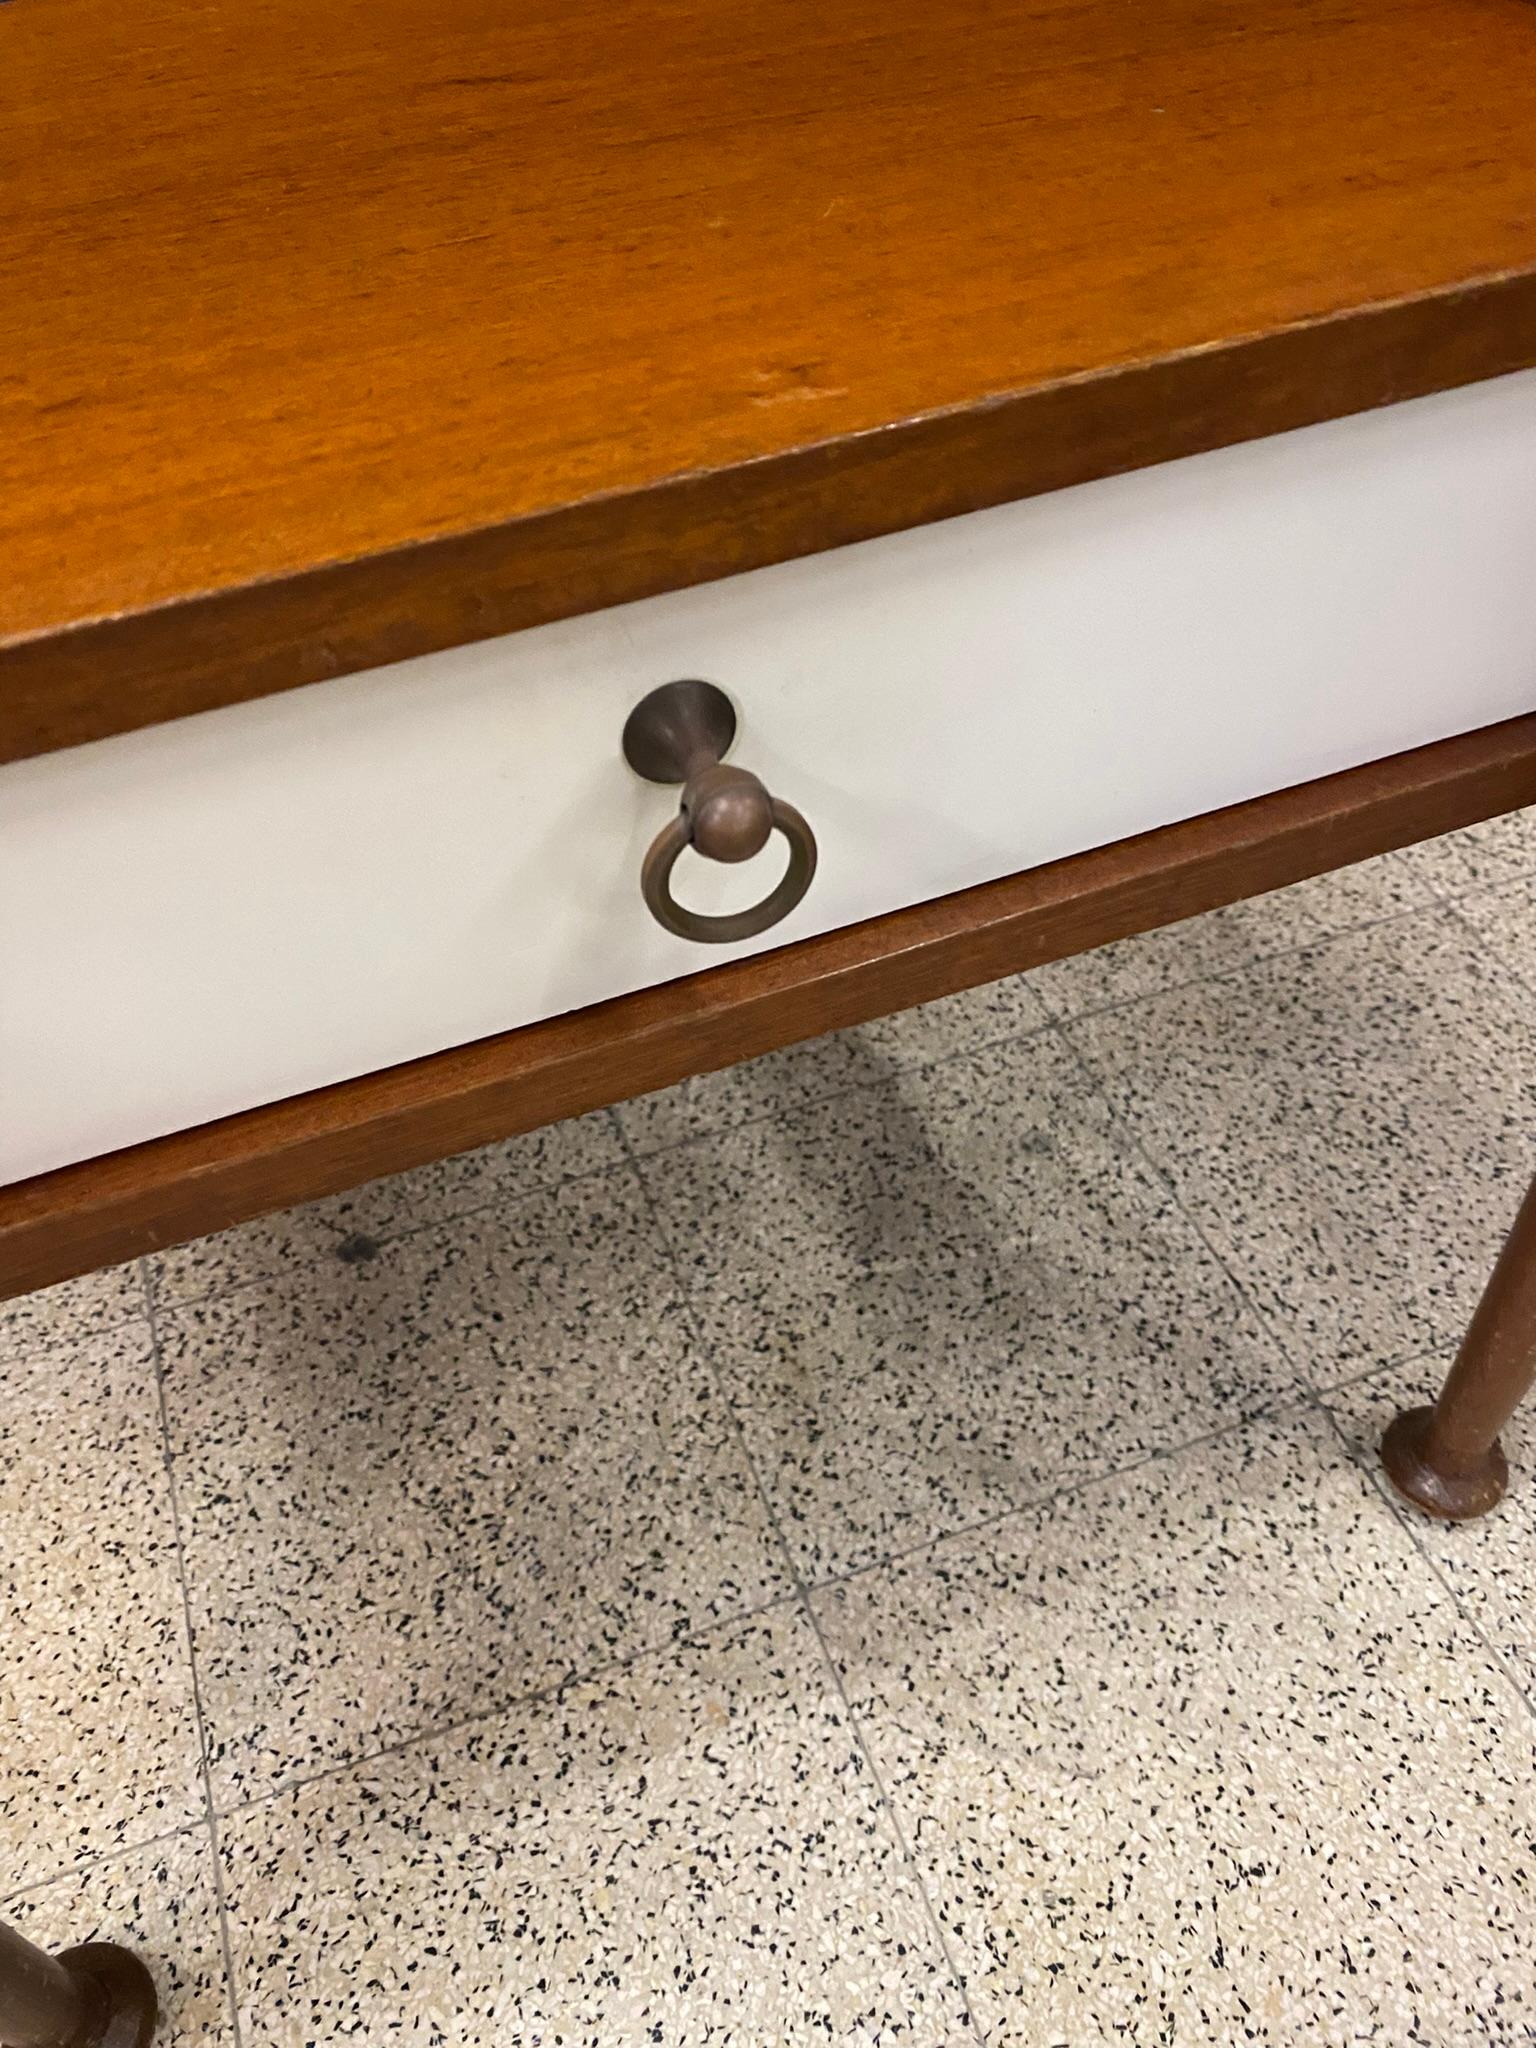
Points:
[(94, 1996), (1447, 1459)]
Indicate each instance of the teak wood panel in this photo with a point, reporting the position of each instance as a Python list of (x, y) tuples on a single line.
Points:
[(336, 334), (160, 1193)]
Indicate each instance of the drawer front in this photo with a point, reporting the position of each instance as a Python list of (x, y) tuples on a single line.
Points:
[(207, 915)]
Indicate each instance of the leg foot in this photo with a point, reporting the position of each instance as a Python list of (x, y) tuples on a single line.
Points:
[(129, 2007), (1447, 1459), (96, 1995), (1450, 1496)]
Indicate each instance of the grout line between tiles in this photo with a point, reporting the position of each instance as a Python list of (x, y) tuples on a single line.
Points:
[(436, 1731), (1292, 1401), (120, 1852), (1435, 1352), (1454, 902), (1505, 965), (1324, 936), (1435, 888), (1265, 1321), (856, 1729), (801, 1591), (91, 1330), (211, 1820), (1507, 884)]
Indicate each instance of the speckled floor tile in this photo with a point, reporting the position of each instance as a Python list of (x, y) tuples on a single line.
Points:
[(1489, 1564), (347, 1226), (75, 1308), (1350, 1125), (98, 1733), (1238, 936), (1498, 850), (935, 1299), (418, 1487), (1505, 920), (687, 1852), (1202, 1754), (160, 1902), (864, 1057)]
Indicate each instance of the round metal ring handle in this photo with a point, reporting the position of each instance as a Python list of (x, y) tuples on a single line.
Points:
[(678, 734), (656, 881)]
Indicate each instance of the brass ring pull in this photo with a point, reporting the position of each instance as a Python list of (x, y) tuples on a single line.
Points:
[(678, 734)]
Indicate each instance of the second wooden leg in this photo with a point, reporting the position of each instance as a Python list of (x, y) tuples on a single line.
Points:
[(1447, 1459)]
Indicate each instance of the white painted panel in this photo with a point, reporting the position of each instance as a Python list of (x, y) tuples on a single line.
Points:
[(227, 910)]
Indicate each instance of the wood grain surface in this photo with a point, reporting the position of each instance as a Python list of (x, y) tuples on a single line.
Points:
[(148, 1196), (336, 331)]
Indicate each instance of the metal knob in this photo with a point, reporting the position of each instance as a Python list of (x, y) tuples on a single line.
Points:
[(680, 733)]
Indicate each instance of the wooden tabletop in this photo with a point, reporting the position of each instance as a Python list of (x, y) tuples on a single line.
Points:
[(340, 330)]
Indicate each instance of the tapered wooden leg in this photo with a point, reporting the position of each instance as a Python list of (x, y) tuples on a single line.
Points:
[(1447, 1459), (94, 1996)]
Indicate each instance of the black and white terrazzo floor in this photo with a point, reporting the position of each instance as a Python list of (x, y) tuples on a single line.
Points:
[(878, 1547)]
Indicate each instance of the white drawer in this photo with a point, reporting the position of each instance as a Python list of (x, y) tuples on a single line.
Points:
[(220, 912)]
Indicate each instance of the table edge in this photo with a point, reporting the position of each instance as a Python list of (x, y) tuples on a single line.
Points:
[(91, 679)]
